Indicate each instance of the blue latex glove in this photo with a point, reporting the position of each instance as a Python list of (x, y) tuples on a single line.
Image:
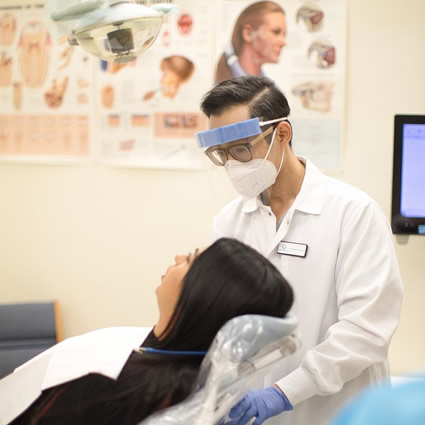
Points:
[(261, 404)]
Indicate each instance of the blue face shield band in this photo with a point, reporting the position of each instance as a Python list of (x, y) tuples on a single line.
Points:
[(232, 132)]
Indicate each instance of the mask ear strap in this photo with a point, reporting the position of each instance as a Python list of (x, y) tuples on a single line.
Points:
[(270, 146), (268, 151), (281, 161)]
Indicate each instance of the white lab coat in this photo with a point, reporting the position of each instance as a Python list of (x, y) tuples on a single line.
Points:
[(348, 290)]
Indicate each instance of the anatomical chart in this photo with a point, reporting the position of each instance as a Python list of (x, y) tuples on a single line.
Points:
[(45, 89), (308, 66), (149, 108)]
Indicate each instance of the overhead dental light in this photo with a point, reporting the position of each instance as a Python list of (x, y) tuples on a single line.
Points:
[(113, 30)]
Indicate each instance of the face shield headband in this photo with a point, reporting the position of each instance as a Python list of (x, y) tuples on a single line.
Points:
[(232, 132)]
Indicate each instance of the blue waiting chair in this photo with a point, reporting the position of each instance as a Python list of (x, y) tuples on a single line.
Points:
[(27, 329)]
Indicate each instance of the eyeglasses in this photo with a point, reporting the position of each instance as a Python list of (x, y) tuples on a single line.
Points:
[(241, 152)]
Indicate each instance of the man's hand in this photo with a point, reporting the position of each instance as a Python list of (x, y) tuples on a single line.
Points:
[(261, 404)]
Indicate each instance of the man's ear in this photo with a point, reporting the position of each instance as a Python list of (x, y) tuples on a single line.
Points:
[(247, 33), (284, 132)]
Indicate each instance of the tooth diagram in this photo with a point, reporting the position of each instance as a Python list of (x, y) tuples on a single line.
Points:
[(7, 29), (34, 54), (5, 70)]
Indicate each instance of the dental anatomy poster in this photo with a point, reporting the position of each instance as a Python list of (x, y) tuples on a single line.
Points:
[(46, 90), (149, 108), (301, 46), (58, 102)]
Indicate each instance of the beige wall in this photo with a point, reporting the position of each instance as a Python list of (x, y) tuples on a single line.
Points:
[(98, 239)]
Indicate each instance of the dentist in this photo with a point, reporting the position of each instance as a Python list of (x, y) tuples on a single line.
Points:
[(329, 239)]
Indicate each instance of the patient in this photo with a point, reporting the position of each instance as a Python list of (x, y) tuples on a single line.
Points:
[(197, 295)]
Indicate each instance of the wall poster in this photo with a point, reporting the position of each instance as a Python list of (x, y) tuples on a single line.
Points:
[(301, 46), (149, 108), (57, 102), (46, 90)]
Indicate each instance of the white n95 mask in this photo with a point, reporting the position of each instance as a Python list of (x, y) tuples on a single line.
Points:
[(252, 178)]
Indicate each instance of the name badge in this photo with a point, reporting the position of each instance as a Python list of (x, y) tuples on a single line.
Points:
[(292, 248)]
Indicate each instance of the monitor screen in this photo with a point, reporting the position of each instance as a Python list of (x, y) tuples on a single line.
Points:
[(408, 197)]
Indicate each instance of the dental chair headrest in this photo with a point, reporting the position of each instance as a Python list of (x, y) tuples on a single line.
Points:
[(244, 350)]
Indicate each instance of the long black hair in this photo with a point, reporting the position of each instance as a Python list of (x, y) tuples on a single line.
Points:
[(226, 280)]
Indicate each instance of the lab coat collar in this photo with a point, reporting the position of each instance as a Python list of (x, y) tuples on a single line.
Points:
[(252, 205), (310, 198)]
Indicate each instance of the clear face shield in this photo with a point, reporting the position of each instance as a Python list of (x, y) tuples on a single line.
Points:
[(235, 143)]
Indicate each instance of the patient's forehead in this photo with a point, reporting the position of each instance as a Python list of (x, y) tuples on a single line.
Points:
[(200, 250)]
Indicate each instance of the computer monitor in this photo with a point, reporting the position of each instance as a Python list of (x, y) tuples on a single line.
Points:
[(408, 196)]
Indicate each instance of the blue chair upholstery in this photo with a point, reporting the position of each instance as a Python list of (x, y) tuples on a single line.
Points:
[(26, 330)]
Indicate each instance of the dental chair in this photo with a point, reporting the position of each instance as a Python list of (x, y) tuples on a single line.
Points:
[(244, 350)]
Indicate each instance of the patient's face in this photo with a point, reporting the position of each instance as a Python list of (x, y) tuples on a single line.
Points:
[(168, 291)]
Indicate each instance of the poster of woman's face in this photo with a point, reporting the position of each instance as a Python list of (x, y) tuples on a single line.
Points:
[(258, 37), (300, 45)]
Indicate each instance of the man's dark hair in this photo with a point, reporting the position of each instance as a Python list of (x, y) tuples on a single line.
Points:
[(263, 98)]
